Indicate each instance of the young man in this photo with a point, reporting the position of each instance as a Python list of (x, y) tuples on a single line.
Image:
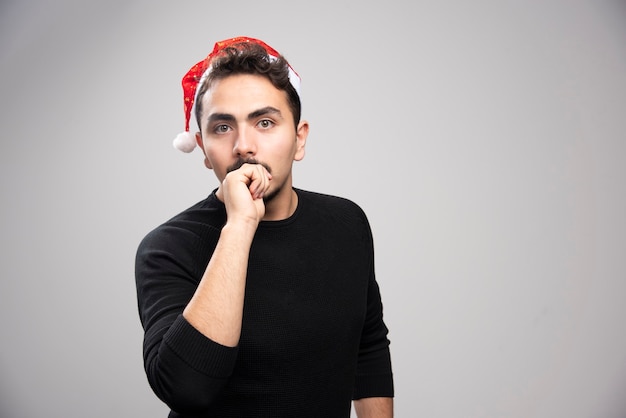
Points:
[(260, 300)]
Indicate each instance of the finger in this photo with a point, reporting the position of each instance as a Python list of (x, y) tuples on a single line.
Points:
[(260, 181)]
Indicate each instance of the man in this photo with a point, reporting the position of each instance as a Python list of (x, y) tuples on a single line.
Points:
[(260, 300)]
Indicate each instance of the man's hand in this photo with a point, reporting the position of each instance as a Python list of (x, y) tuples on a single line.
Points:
[(374, 407), (242, 192)]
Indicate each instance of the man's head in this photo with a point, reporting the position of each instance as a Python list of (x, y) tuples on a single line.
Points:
[(247, 106), (240, 55)]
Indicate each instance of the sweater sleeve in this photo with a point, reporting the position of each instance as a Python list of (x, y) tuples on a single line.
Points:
[(374, 377), (185, 369)]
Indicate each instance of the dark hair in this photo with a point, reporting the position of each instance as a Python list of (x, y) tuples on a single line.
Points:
[(251, 58)]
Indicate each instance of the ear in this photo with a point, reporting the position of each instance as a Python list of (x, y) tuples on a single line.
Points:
[(301, 135), (200, 143)]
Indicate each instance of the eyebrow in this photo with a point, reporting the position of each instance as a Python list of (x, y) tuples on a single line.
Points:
[(227, 117), (214, 117), (264, 111)]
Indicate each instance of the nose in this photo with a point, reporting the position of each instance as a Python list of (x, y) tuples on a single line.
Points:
[(245, 144)]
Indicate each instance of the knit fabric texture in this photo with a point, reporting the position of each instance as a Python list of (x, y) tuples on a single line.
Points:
[(313, 336)]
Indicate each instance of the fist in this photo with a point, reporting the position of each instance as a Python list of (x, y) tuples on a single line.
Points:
[(242, 192)]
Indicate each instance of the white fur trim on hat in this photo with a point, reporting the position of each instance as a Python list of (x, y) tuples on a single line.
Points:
[(185, 141)]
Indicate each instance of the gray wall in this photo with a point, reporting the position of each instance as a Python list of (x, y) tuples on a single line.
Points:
[(485, 140)]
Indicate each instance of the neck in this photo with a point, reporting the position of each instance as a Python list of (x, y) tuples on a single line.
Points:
[(282, 206)]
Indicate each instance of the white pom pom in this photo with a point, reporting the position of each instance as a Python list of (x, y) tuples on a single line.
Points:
[(185, 141)]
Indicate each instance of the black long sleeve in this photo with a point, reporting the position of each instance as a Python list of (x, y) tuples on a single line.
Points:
[(313, 335)]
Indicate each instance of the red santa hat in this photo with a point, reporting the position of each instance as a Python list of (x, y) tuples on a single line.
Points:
[(195, 77)]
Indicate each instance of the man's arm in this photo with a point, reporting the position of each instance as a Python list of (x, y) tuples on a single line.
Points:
[(167, 264), (374, 407), (216, 308)]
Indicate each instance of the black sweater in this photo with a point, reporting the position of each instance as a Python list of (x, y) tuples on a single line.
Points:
[(313, 336)]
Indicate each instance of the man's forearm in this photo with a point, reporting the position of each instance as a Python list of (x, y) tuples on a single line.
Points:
[(374, 407), (216, 308)]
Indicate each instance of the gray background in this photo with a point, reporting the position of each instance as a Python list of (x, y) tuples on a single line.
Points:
[(484, 139)]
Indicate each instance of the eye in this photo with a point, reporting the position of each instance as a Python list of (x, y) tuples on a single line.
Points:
[(221, 129), (265, 124)]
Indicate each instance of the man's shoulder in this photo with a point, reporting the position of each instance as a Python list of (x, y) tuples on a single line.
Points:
[(328, 199), (330, 206), (205, 216), (338, 216), (205, 210)]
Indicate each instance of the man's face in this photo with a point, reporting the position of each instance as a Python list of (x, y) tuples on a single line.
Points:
[(246, 119)]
